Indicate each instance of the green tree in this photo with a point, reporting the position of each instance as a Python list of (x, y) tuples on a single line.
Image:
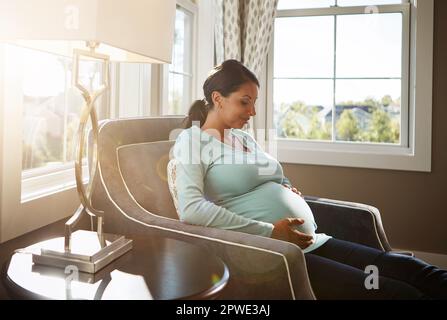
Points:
[(348, 103), (318, 130), (382, 128), (301, 121), (387, 100), (347, 126), (292, 127), (298, 120), (370, 102), (290, 123)]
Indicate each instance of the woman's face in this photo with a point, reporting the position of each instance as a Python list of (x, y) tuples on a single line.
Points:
[(239, 106)]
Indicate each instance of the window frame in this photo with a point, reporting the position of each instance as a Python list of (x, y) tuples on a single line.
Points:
[(44, 181), (40, 182), (415, 155), (143, 100), (191, 8)]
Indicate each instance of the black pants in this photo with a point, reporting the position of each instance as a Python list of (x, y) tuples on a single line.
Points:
[(337, 271)]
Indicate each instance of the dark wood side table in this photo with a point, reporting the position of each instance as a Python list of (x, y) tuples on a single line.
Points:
[(155, 268)]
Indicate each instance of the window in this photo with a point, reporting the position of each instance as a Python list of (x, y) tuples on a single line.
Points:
[(130, 93), (340, 76), (51, 107), (180, 79), (39, 96), (47, 106)]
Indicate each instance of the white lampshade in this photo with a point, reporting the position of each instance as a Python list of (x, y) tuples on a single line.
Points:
[(127, 30)]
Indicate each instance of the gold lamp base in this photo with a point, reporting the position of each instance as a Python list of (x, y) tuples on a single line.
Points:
[(89, 253)]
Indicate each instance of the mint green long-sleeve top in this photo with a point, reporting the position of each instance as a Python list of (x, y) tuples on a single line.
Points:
[(224, 187)]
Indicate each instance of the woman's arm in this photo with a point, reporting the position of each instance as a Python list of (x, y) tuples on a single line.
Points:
[(194, 208)]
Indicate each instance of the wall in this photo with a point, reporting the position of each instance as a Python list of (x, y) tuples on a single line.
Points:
[(412, 204)]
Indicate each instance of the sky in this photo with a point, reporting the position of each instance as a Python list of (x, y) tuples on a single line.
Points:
[(368, 46)]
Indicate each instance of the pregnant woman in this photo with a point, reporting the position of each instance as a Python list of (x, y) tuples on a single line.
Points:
[(225, 180)]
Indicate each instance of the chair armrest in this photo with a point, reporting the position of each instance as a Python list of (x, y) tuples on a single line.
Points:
[(259, 267), (405, 253), (351, 221)]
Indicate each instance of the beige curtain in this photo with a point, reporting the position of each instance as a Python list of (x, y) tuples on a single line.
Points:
[(243, 31)]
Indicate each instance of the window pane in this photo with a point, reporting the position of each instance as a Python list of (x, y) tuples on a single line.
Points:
[(304, 47), (302, 109), (133, 93), (90, 75), (179, 96), (181, 52), (180, 71), (368, 110), (369, 45), (303, 4), (345, 3), (44, 83), (51, 106)]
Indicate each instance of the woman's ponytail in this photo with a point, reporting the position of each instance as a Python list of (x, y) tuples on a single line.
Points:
[(225, 78), (197, 113)]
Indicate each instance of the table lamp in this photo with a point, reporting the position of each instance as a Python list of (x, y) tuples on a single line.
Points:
[(103, 30)]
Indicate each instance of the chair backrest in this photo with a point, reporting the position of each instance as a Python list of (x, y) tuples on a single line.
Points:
[(172, 175), (143, 167)]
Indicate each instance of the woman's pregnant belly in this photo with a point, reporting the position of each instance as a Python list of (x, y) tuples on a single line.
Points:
[(270, 202)]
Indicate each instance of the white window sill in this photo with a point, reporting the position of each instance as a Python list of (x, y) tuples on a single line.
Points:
[(38, 186), (346, 155)]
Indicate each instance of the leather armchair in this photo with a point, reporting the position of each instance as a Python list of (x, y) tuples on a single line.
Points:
[(131, 188)]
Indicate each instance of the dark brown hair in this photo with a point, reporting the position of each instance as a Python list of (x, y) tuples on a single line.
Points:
[(225, 79)]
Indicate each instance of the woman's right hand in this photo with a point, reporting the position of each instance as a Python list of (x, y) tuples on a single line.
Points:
[(283, 230)]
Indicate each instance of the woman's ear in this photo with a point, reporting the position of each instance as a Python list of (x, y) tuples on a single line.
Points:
[(217, 98)]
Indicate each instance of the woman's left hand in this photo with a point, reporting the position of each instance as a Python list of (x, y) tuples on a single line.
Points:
[(294, 190)]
